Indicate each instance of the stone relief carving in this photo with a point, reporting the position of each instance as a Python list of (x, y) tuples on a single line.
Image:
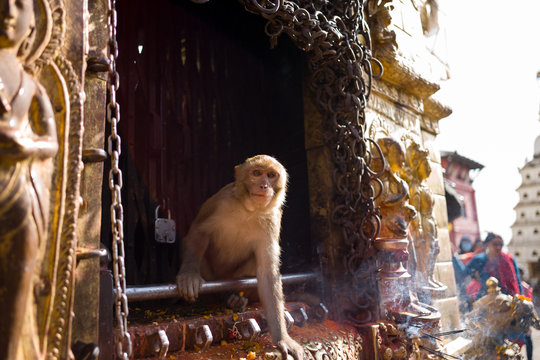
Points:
[(423, 229), (398, 300), (40, 136), (380, 18)]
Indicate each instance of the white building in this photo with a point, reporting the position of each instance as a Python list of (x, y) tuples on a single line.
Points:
[(525, 243)]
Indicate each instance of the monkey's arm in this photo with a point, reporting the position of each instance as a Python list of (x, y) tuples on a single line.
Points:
[(196, 243), (271, 294), (189, 278)]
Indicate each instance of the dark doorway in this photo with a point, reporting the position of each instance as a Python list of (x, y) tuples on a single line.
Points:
[(201, 91)]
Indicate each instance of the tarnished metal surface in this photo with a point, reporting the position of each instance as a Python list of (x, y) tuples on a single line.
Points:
[(28, 139), (165, 291), (123, 344), (87, 289), (161, 345), (216, 323), (106, 315), (397, 290), (424, 228), (340, 64), (319, 339), (497, 322), (39, 251)]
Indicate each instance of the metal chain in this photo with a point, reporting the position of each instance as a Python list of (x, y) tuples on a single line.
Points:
[(341, 76), (115, 185)]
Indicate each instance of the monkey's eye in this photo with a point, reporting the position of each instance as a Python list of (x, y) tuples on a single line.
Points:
[(256, 172), (272, 175)]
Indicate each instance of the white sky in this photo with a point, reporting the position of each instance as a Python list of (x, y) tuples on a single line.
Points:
[(494, 54)]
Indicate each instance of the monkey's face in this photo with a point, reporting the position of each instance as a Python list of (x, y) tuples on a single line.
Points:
[(262, 184)]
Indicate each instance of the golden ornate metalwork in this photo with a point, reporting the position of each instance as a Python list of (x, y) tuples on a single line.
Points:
[(423, 228), (28, 139), (398, 301), (341, 74), (496, 319), (40, 165), (379, 19), (396, 213), (64, 258), (339, 345), (392, 343)]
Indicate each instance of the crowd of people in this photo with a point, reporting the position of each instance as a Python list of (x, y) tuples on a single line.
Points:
[(476, 262)]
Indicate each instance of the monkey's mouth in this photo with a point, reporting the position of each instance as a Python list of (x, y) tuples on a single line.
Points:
[(259, 197)]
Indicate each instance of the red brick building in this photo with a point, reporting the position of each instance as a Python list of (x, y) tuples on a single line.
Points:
[(459, 175)]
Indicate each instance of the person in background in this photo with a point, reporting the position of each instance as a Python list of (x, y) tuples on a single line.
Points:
[(493, 262), (528, 292), (465, 255), (467, 285), (473, 286), (476, 248), (465, 245)]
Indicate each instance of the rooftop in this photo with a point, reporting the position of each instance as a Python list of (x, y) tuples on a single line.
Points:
[(453, 156)]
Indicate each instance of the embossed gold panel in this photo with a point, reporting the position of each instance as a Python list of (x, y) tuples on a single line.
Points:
[(42, 50)]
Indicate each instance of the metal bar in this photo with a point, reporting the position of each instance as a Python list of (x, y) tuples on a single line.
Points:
[(167, 291)]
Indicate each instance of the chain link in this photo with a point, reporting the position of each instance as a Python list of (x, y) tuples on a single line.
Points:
[(341, 75), (114, 145), (340, 64)]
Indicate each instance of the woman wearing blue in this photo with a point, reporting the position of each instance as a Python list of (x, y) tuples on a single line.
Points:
[(493, 262)]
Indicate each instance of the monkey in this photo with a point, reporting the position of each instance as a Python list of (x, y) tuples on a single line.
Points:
[(236, 234)]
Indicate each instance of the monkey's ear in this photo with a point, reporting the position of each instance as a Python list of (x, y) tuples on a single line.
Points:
[(237, 172)]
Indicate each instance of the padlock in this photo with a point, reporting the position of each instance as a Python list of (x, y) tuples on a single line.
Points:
[(165, 229)]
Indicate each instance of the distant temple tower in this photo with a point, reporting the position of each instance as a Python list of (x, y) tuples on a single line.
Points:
[(462, 215), (525, 243)]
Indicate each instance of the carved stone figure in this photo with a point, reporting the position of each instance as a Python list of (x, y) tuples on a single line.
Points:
[(27, 138), (423, 228), (395, 195), (379, 20), (397, 299)]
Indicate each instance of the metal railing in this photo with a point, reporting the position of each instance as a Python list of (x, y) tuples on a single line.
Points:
[(168, 291)]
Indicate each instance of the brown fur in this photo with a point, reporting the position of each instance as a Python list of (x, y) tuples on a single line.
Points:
[(236, 234)]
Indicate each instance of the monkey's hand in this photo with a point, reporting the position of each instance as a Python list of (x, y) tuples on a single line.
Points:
[(189, 284), (237, 302), (288, 346)]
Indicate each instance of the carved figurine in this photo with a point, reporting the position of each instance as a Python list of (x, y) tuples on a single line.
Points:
[(27, 138), (392, 241), (423, 228), (380, 19), (495, 320), (395, 195)]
